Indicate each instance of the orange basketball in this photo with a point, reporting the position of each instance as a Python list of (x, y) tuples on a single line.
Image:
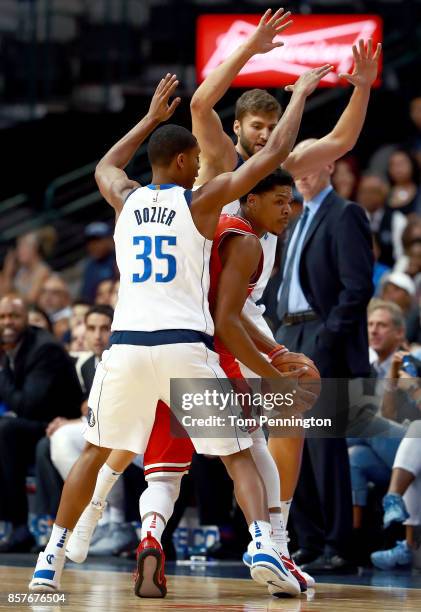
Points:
[(288, 362)]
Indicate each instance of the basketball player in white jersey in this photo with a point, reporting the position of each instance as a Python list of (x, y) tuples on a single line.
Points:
[(257, 112), (162, 327)]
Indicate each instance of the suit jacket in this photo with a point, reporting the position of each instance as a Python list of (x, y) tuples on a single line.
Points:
[(88, 372), (336, 269), (43, 383)]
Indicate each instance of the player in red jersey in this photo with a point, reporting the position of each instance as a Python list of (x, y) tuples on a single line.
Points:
[(236, 264)]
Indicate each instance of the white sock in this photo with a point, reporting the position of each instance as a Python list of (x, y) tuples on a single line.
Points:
[(279, 534), (267, 469), (285, 507), (158, 500), (58, 540), (104, 483), (154, 525), (261, 532)]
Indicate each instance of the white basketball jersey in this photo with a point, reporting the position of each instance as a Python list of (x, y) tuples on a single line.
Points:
[(268, 242), (163, 262)]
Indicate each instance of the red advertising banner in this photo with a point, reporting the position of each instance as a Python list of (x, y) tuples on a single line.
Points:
[(312, 40)]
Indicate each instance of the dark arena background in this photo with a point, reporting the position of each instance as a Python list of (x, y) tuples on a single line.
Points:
[(75, 76)]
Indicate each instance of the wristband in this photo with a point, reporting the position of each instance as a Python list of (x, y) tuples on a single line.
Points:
[(278, 350)]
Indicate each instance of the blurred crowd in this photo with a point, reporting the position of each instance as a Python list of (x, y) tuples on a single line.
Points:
[(53, 332)]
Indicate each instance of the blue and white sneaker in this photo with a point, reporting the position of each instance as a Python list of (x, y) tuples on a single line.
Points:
[(47, 574), (394, 509), (268, 568), (400, 555), (248, 555)]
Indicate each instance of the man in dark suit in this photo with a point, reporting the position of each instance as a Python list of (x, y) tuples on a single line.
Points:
[(322, 300), (37, 382)]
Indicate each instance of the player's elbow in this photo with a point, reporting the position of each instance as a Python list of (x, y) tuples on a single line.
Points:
[(198, 105), (341, 144), (99, 177)]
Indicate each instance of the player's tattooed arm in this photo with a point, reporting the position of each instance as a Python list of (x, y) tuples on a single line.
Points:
[(218, 151), (112, 181), (345, 134), (208, 200), (240, 257)]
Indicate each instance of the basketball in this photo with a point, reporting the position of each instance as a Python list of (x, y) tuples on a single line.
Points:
[(288, 362)]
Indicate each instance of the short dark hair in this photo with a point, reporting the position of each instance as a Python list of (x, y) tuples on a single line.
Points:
[(278, 178), (256, 101), (167, 142), (101, 309)]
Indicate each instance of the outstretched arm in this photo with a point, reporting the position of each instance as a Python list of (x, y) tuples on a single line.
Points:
[(217, 149), (345, 134), (208, 200), (111, 179)]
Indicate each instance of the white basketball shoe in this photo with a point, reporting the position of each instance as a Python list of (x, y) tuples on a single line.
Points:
[(268, 568), (47, 574)]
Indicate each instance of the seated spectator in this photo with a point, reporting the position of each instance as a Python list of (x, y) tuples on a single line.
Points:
[(101, 264), (402, 503), (79, 310), (24, 269), (39, 318), (78, 339), (55, 300), (404, 176), (371, 458), (67, 441), (38, 382), (386, 225), (104, 292), (399, 288), (345, 178)]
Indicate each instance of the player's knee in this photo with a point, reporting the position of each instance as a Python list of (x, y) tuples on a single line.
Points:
[(168, 485)]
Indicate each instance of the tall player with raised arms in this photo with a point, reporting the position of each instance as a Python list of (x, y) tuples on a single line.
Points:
[(257, 113)]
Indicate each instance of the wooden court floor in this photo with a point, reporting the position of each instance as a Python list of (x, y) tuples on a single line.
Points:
[(112, 592)]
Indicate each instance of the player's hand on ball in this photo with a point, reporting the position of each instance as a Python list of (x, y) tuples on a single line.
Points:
[(303, 378), (304, 399), (160, 108)]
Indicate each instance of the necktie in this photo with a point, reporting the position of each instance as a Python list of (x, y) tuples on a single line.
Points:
[(282, 308)]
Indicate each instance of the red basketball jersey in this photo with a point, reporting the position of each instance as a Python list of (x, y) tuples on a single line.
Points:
[(228, 225)]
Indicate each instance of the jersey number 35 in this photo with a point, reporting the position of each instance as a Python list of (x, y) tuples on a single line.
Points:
[(152, 251)]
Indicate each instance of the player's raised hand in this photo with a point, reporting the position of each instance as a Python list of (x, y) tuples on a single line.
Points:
[(160, 108), (309, 80), (261, 41), (366, 63)]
